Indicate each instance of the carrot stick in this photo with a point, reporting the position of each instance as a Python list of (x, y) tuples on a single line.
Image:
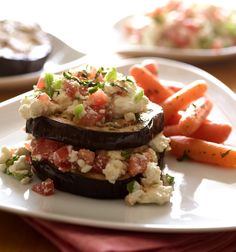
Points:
[(175, 118), (210, 131), (151, 66), (154, 90), (173, 85), (194, 115), (203, 151), (183, 97), (213, 131), (172, 130)]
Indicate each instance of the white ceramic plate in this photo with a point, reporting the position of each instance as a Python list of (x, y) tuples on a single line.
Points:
[(61, 58), (204, 195), (123, 46)]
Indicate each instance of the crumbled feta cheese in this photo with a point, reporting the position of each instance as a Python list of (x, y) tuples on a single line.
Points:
[(156, 193), (37, 157), (31, 108), (5, 155), (73, 156), (125, 104), (152, 175), (26, 180), (19, 164), (115, 155), (114, 169), (62, 99), (160, 143), (129, 117), (84, 167)]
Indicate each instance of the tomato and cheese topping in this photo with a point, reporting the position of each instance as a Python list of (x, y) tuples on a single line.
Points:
[(153, 187), (87, 96)]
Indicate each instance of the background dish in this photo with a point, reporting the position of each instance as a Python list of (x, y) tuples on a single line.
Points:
[(186, 55), (61, 57), (202, 200)]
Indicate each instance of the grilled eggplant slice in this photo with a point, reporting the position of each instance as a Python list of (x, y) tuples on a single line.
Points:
[(149, 124), (90, 184)]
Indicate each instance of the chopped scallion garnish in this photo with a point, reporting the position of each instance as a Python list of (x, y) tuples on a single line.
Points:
[(111, 74), (78, 110), (138, 97)]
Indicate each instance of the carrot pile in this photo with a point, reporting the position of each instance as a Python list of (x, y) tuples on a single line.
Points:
[(186, 110)]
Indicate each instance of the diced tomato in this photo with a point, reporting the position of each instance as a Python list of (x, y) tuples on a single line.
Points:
[(100, 162), (60, 155), (87, 155), (40, 83), (65, 166), (60, 159), (91, 117), (45, 188), (44, 147), (70, 89), (98, 99), (137, 164), (44, 98)]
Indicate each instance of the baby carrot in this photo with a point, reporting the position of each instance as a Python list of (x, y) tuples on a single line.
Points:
[(183, 97), (210, 131), (154, 90), (213, 131), (175, 86), (203, 151), (194, 115), (151, 66)]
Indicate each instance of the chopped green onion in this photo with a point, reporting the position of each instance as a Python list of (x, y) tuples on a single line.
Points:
[(93, 90), (170, 179), (19, 176), (126, 154), (130, 186), (11, 161), (111, 74), (78, 110), (49, 81), (138, 97), (57, 84)]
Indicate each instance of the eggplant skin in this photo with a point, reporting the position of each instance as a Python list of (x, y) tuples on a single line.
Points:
[(80, 184), (68, 133)]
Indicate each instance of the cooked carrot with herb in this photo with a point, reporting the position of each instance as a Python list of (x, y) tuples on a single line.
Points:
[(210, 131), (183, 98), (151, 66), (203, 151), (213, 131), (194, 116), (175, 118), (153, 89)]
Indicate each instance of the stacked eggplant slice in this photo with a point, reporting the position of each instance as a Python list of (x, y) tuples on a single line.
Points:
[(96, 134)]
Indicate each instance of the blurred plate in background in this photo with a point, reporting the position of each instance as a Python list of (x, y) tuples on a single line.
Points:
[(126, 48), (62, 57)]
